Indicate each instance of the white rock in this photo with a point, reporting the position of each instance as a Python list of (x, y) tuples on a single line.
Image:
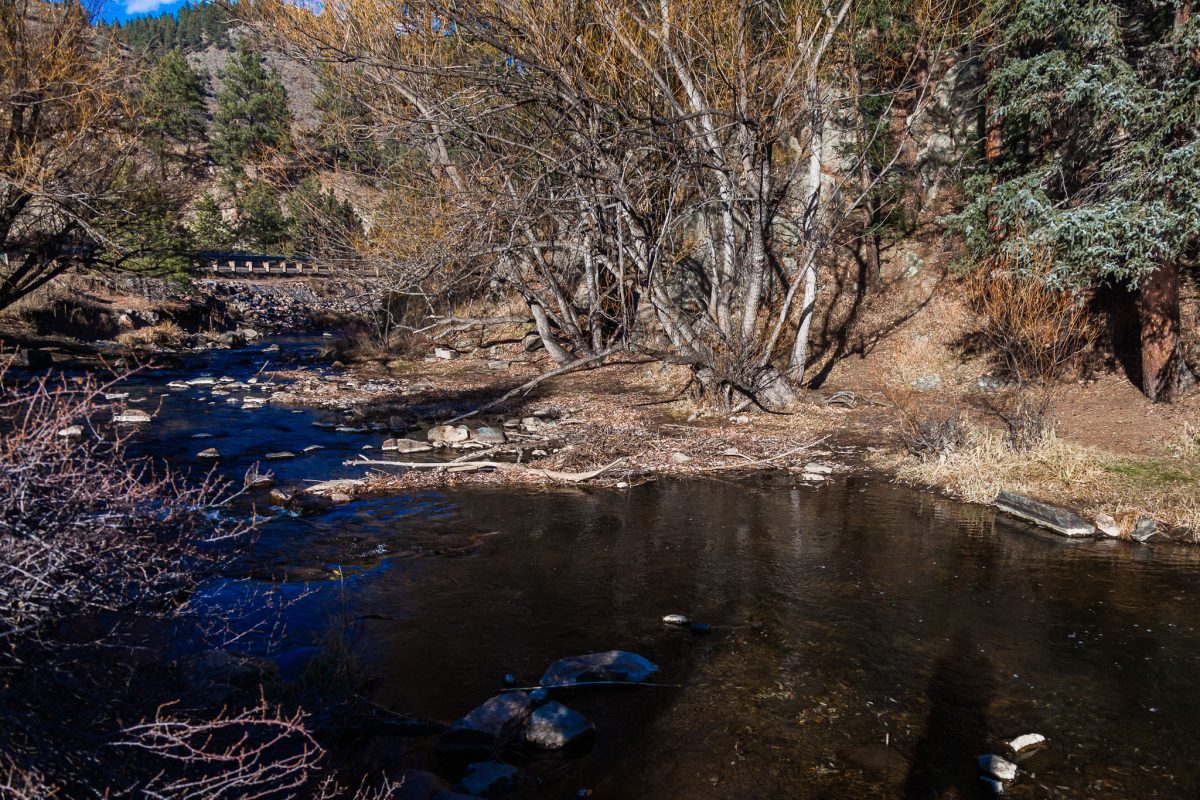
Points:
[(202, 382), (131, 416), (680, 458), (444, 353), (998, 767), (280, 454), (71, 432), (116, 396), (177, 386), (740, 419), (449, 433), (1026, 741), (313, 447), (211, 454), (675, 619), (815, 468)]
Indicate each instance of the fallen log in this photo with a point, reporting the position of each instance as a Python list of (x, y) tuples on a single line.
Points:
[(475, 466)]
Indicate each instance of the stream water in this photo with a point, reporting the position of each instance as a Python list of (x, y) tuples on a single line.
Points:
[(867, 640)]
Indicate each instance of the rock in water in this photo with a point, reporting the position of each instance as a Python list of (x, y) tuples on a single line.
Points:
[(415, 784), (449, 433), (998, 767), (1026, 741), (554, 725), (490, 779), (210, 454), (280, 454), (992, 785), (675, 619), (71, 432), (131, 416), (617, 666), (489, 435), (489, 727), (406, 446)]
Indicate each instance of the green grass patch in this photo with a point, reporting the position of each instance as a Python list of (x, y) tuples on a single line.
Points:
[(1149, 473)]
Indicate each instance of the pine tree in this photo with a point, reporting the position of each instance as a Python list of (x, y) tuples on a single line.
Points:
[(319, 222), (252, 116), (209, 231), (1094, 151), (175, 104), (262, 226)]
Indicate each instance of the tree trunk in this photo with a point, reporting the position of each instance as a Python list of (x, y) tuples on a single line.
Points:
[(1164, 373), (556, 351)]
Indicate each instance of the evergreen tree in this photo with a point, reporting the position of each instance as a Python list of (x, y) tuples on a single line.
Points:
[(209, 231), (252, 116), (175, 104), (262, 226), (319, 222), (1093, 150)]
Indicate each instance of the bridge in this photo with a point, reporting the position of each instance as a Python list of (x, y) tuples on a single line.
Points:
[(251, 265)]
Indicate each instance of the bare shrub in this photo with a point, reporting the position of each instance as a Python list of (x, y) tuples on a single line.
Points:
[(1037, 328), (20, 783), (82, 527), (1029, 419), (934, 434)]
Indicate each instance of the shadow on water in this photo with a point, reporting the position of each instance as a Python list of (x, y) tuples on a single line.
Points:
[(958, 693)]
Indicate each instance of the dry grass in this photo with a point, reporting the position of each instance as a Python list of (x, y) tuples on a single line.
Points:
[(1062, 472), (163, 335)]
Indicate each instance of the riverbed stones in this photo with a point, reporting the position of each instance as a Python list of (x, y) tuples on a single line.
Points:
[(406, 446), (1107, 525), (488, 435), (279, 455), (448, 434), (676, 619), (209, 454), (489, 727), (254, 402), (177, 386), (490, 779), (614, 666), (257, 480), (131, 416), (204, 381), (555, 726), (1143, 529)]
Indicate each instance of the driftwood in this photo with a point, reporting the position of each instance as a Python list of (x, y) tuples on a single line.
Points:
[(501, 466), (526, 387)]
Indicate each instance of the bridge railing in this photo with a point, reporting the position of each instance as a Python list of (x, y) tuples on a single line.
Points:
[(246, 265)]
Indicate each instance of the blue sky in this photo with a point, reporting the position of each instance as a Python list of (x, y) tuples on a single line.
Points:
[(121, 10)]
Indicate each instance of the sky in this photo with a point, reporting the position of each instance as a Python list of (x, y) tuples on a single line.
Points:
[(122, 10)]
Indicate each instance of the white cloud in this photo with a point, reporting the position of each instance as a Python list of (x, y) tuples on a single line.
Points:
[(143, 6)]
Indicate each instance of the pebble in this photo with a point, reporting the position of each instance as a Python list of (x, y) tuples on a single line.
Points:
[(675, 619)]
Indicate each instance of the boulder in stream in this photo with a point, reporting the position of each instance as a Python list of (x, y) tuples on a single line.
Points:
[(406, 446), (488, 435), (489, 727), (554, 726), (615, 666), (997, 767), (448, 434), (131, 416)]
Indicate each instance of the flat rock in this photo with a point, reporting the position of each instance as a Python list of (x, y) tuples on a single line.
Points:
[(618, 666), (340, 486), (444, 353), (489, 727), (448, 434), (202, 382), (680, 458), (1059, 520), (131, 416), (554, 725), (816, 468), (1026, 741), (279, 454), (488, 435), (490, 779), (406, 446), (71, 432), (1143, 529), (257, 480), (209, 454)]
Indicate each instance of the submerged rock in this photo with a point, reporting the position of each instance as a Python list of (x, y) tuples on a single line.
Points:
[(998, 767), (618, 666), (489, 727), (490, 779), (415, 784), (554, 725)]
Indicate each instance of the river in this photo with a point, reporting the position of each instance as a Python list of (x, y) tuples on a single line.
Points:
[(868, 640)]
